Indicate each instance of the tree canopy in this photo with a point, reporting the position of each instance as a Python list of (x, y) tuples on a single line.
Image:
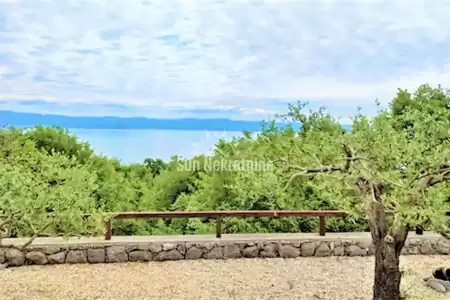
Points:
[(402, 141)]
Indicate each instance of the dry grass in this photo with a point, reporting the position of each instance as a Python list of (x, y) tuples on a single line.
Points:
[(303, 278)]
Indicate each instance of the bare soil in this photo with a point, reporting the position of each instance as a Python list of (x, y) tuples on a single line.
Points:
[(339, 278)]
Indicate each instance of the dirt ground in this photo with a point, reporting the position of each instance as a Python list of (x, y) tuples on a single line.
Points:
[(303, 278)]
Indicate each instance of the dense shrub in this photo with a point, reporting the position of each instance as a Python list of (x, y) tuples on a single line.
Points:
[(53, 166)]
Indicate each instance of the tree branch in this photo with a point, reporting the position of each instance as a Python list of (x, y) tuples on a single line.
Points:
[(9, 222), (36, 232), (35, 235), (377, 219), (431, 178), (366, 169), (345, 167), (445, 234), (6, 234), (5, 222), (428, 179)]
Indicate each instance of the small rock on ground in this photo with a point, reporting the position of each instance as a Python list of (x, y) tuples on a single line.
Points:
[(438, 285)]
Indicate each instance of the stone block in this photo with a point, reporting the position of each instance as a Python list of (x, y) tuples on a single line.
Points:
[(308, 249), (96, 255), (14, 257), (443, 247), (57, 258), (116, 254), (323, 250), (232, 251), (76, 257), (289, 251), (214, 253), (269, 251), (169, 255), (339, 251), (427, 248), (250, 252), (194, 253), (36, 258), (155, 248), (353, 250), (139, 255)]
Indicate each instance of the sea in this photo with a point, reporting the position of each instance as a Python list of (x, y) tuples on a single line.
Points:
[(133, 146)]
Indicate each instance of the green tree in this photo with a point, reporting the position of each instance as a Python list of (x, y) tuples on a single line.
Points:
[(155, 165), (57, 139), (374, 168), (46, 194)]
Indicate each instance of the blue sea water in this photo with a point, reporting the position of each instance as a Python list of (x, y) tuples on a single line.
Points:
[(133, 146)]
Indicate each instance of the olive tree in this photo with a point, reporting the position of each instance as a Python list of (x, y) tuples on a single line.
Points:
[(393, 177), (42, 194)]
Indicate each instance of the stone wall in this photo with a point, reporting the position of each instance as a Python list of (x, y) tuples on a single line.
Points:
[(105, 252)]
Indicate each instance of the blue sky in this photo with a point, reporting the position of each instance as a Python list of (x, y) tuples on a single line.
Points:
[(235, 58)]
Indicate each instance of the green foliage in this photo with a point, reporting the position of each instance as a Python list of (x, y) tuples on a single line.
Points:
[(386, 153), (51, 177), (51, 194), (56, 139), (155, 165)]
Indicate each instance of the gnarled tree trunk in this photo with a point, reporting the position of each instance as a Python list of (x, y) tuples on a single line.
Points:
[(387, 277)]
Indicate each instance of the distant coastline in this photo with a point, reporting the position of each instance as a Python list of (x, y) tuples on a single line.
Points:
[(20, 119)]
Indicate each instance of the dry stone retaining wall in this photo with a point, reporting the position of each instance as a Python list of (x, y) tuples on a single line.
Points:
[(154, 251)]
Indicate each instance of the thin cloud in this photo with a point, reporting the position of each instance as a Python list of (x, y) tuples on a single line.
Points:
[(206, 54)]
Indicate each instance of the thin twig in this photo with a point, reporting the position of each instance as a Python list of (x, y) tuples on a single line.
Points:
[(384, 178), (34, 236), (445, 234), (324, 169), (6, 222)]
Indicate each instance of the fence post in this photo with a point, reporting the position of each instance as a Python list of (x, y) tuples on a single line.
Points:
[(322, 225), (419, 230), (108, 230), (218, 227)]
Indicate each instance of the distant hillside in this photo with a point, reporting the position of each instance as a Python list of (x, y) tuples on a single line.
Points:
[(18, 119)]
